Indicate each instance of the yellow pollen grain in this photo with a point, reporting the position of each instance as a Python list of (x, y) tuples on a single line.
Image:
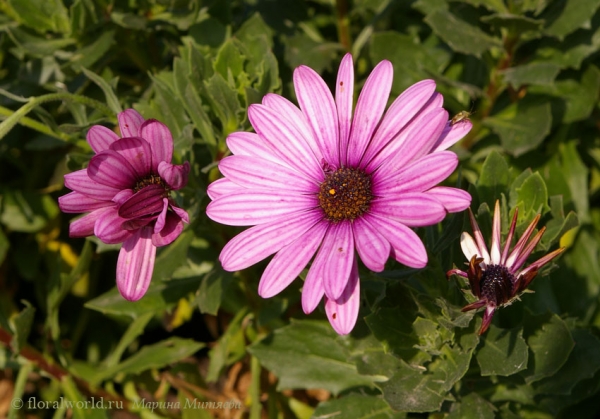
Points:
[(332, 192)]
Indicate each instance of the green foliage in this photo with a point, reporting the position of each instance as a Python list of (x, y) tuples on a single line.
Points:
[(527, 70)]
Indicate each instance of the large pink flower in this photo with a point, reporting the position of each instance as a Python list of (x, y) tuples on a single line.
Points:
[(126, 189), (320, 180)]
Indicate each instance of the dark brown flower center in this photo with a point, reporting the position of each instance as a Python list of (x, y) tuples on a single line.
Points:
[(151, 180), (345, 194), (497, 284)]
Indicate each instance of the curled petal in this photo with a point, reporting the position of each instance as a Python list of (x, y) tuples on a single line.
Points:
[(129, 122), (343, 312), (487, 319), (160, 139), (135, 264), (171, 230), (100, 138), (181, 213), (176, 176), (162, 217)]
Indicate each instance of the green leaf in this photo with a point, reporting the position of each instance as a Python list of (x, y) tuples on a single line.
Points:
[(460, 35), (473, 406), (21, 326), (230, 348), (493, 5), (160, 296), (532, 196), (81, 406), (571, 52), (550, 344), (324, 358), (229, 59), (4, 245), (576, 174), (570, 15), (135, 329), (393, 327), (583, 363), (209, 32), (580, 97), (172, 257), (522, 126), (224, 102), (211, 290), (559, 224), (532, 73), (504, 352), (90, 54), (43, 15), (515, 24), (26, 211), (356, 406), (301, 49), (152, 356), (494, 178)]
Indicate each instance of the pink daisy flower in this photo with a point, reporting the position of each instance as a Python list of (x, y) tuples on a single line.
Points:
[(323, 181), (496, 277), (126, 189)]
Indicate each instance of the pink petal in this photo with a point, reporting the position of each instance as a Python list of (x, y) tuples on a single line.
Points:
[(256, 243), (221, 187), (176, 176), (339, 245), (400, 113), (469, 247), (293, 116), (452, 134), (411, 144), (407, 247), (137, 153), (344, 99), (372, 247), (369, 109), (109, 228), (160, 139), (313, 289), (75, 202), (121, 197), (453, 199), (129, 123), (318, 105), (258, 207), (159, 224), (509, 236), (287, 264), (496, 236), (100, 138), (171, 230), (285, 140), (111, 169), (84, 226), (418, 176), (483, 252), (250, 144), (181, 213), (413, 209), (79, 181), (146, 202), (135, 265), (254, 172), (343, 312)]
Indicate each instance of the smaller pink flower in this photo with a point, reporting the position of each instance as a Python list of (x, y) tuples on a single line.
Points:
[(496, 278), (126, 192)]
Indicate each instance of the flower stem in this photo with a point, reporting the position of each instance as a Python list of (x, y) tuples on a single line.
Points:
[(343, 24)]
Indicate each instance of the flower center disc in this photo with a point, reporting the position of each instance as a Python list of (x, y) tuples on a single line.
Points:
[(151, 180), (496, 284), (345, 194)]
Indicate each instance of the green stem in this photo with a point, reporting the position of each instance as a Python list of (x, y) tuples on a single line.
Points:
[(256, 406), (343, 24), (38, 126), (20, 113)]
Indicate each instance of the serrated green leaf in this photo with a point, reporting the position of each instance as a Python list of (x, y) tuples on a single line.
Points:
[(210, 293), (21, 326), (533, 73), (550, 345), (324, 358), (460, 35), (523, 126), (356, 406), (494, 178), (504, 352), (229, 59), (570, 15), (224, 103), (473, 406)]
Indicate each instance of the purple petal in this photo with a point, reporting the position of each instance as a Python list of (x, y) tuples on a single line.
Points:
[(313, 289), (518, 249), (372, 247), (75, 202), (524, 254), (509, 237), (222, 187), (344, 99), (137, 153), (258, 207), (109, 228), (487, 319), (146, 202), (407, 247), (293, 116), (135, 265), (400, 113), (418, 176), (176, 176), (339, 244), (285, 140), (411, 144), (369, 109), (343, 312), (453, 199), (79, 181), (84, 226), (129, 123), (287, 264), (254, 172), (496, 236), (452, 134), (162, 217), (256, 243), (171, 230), (100, 138), (181, 213), (121, 197), (318, 105), (542, 261), (413, 209), (160, 139), (111, 169)]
